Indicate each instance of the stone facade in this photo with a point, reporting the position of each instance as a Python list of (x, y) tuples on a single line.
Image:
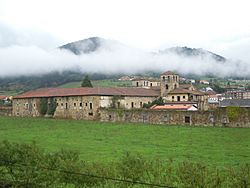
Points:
[(26, 107), (5, 110), (78, 107), (169, 82)]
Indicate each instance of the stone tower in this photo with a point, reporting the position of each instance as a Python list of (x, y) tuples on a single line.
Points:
[(169, 82)]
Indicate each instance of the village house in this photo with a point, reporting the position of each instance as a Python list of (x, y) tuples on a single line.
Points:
[(145, 82), (84, 103)]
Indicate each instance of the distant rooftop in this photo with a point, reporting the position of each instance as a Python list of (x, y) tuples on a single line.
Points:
[(235, 102)]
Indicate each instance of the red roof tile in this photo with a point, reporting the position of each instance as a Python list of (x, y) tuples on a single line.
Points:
[(173, 107), (97, 91), (2, 97)]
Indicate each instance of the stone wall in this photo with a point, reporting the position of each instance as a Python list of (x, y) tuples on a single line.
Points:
[(26, 107), (195, 118), (5, 110)]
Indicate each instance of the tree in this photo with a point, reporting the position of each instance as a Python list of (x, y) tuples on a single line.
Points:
[(43, 106), (86, 82)]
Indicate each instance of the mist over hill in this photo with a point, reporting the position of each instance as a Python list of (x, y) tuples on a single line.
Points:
[(32, 67), (95, 44)]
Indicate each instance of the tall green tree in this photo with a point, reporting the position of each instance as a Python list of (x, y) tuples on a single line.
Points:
[(86, 82)]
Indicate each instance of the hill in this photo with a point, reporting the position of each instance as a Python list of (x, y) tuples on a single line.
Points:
[(193, 52), (95, 44)]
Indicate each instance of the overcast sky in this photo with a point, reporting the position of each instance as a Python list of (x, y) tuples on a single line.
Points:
[(213, 24), (221, 26)]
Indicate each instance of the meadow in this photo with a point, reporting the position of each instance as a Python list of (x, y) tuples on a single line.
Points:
[(99, 83), (107, 142)]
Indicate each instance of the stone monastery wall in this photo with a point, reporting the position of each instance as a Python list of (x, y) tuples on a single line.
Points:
[(219, 117)]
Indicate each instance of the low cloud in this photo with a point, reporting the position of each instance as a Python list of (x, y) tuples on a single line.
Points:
[(32, 60)]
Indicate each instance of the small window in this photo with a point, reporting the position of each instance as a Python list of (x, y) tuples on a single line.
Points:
[(184, 97), (86, 104), (151, 84), (74, 104), (187, 119), (66, 105), (91, 114), (61, 104), (178, 98), (57, 104), (141, 104), (166, 86), (80, 104), (163, 78), (90, 106), (118, 104), (34, 105), (132, 104)]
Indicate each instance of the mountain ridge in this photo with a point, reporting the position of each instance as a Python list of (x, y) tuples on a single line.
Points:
[(93, 44)]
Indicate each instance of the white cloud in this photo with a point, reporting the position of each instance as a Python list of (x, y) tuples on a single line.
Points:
[(23, 60)]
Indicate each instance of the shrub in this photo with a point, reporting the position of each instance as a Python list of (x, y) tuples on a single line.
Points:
[(233, 112), (158, 101)]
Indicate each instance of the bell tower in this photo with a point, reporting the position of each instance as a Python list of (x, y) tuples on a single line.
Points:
[(169, 82)]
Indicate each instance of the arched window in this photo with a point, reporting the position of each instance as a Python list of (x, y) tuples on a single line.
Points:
[(166, 86), (163, 78), (175, 86)]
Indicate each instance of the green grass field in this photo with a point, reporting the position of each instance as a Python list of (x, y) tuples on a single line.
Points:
[(100, 83), (97, 141)]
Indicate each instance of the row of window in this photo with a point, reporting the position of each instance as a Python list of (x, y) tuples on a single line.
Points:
[(26, 105), (75, 105), (175, 86), (178, 98), (168, 78)]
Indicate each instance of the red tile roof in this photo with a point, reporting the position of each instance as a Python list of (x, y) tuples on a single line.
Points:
[(2, 97), (97, 91), (173, 107)]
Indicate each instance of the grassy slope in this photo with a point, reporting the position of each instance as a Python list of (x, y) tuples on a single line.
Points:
[(98, 141), (99, 83)]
